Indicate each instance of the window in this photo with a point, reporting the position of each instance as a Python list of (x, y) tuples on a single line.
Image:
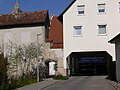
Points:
[(81, 9), (102, 29), (119, 6), (77, 30), (101, 8)]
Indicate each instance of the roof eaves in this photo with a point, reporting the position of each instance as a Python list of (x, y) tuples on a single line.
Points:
[(116, 38), (61, 15), (20, 25)]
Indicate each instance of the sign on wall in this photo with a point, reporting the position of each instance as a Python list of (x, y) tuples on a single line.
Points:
[(92, 59)]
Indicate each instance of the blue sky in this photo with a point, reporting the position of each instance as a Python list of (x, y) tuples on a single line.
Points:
[(54, 6)]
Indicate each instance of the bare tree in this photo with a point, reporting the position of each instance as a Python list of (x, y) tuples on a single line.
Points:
[(26, 57), (23, 58)]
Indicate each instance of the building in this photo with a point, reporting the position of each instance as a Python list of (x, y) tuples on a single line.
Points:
[(116, 41), (87, 28), (54, 52), (20, 30), (23, 29)]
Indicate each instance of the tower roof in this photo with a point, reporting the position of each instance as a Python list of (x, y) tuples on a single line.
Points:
[(16, 8)]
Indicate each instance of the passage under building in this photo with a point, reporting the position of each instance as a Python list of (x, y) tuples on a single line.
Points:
[(88, 63)]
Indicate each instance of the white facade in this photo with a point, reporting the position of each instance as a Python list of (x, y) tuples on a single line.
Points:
[(90, 39)]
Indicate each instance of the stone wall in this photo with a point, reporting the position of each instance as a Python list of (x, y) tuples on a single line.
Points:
[(20, 46), (55, 55)]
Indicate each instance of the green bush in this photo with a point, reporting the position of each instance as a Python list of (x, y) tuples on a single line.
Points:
[(61, 77), (17, 83), (4, 87), (21, 82), (3, 72)]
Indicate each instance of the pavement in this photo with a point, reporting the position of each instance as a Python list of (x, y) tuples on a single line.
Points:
[(39, 86), (49, 82), (82, 83)]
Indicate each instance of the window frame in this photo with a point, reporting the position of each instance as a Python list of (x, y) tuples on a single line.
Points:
[(81, 10), (75, 31), (101, 6), (119, 7), (102, 34)]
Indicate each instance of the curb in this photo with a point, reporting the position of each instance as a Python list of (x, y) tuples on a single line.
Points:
[(114, 84), (49, 85), (38, 86)]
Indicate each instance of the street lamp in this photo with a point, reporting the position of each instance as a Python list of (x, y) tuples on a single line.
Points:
[(38, 75)]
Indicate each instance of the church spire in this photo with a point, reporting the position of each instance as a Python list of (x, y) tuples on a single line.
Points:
[(16, 8)]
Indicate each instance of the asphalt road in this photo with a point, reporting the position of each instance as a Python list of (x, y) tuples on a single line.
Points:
[(82, 83)]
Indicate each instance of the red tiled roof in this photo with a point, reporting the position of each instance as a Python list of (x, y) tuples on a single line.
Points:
[(57, 46), (56, 33), (23, 18)]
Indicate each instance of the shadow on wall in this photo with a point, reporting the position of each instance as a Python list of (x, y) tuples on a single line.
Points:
[(112, 70)]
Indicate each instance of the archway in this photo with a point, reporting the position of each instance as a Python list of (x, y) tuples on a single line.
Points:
[(51, 65)]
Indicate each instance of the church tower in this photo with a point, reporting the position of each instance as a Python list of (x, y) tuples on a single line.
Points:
[(16, 8)]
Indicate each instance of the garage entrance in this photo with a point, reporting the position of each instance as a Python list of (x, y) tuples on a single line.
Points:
[(88, 63), (92, 69)]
